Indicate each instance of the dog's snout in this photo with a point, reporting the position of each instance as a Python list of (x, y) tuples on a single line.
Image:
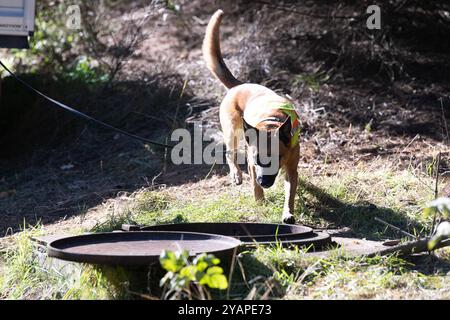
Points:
[(266, 181)]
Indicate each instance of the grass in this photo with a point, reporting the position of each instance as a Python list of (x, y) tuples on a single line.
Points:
[(355, 196), (369, 278), (24, 276), (311, 80), (349, 197), (231, 206)]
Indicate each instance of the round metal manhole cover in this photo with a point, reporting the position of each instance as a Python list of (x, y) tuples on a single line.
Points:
[(252, 233), (137, 248)]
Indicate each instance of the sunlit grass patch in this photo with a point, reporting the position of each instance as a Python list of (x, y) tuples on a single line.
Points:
[(292, 274), (355, 196), (21, 273), (368, 278), (232, 206), (24, 275), (130, 209), (93, 283)]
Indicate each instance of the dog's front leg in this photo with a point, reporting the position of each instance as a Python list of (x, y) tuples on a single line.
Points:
[(235, 171), (290, 189), (257, 190), (231, 156)]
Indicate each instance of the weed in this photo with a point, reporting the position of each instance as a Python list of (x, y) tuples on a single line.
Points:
[(191, 280), (25, 275), (312, 80)]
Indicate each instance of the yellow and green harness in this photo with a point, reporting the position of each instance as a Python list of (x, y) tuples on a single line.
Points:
[(289, 110)]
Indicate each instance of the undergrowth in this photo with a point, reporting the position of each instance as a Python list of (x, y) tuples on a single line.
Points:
[(351, 197)]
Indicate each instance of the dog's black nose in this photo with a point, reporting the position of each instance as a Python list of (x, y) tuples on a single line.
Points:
[(266, 181)]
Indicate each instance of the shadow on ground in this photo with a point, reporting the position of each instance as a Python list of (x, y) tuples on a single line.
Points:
[(360, 218), (54, 165)]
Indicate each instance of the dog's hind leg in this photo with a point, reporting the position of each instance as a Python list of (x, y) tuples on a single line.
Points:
[(232, 130)]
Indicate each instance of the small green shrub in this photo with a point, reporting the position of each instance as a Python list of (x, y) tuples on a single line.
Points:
[(190, 280)]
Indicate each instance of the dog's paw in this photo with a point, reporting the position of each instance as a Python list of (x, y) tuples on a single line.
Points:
[(288, 218), (236, 177), (259, 197)]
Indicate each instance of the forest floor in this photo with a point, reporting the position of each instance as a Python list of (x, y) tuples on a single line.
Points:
[(367, 150)]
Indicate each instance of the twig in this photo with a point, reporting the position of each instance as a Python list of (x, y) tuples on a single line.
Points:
[(142, 295), (407, 146), (410, 248), (270, 286), (241, 268), (210, 170), (436, 184), (230, 275), (436, 188), (396, 228), (445, 121)]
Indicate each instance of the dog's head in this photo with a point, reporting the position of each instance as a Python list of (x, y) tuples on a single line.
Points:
[(267, 147)]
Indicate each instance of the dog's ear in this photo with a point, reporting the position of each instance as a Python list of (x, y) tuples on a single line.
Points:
[(249, 131), (285, 132)]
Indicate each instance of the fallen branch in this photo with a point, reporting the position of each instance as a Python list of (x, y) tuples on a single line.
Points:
[(410, 247)]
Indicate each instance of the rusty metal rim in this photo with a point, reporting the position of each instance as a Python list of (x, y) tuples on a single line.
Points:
[(57, 247), (226, 229)]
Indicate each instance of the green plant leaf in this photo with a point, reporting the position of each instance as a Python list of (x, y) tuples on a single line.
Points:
[(201, 266), (428, 212), (217, 281), (188, 273), (442, 232), (214, 270), (181, 273), (170, 261), (442, 205)]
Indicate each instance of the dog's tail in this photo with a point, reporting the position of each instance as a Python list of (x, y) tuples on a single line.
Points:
[(212, 54)]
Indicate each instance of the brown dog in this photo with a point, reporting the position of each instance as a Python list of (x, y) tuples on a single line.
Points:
[(262, 114)]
